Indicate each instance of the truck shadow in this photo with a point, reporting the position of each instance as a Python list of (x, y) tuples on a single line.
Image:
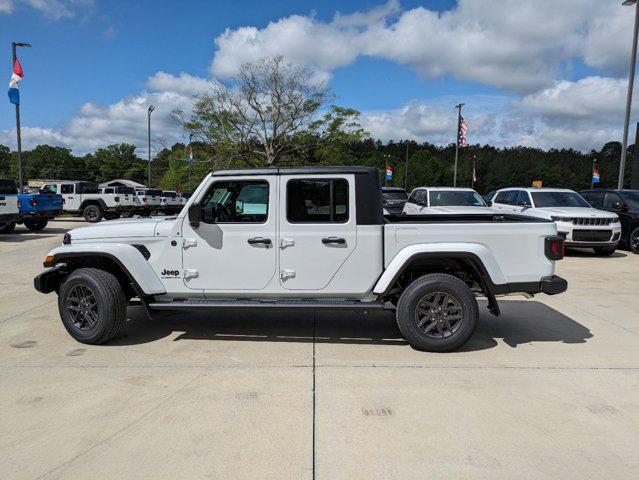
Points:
[(521, 322), (589, 253)]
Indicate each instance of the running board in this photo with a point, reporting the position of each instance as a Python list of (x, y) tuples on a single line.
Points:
[(203, 304)]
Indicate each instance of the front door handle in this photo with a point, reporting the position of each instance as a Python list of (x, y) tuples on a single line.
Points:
[(260, 241), (334, 241)]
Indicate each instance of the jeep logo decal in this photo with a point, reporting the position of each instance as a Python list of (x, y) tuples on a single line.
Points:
[(169, 273)]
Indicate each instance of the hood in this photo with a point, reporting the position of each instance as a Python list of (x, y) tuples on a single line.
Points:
[(147, 227), (579, 212), (463, 210)]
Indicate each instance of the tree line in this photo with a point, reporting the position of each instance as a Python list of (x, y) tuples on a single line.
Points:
[(272, 114), (428, 164)]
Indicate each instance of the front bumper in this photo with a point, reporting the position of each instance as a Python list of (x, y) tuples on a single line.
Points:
[(48, 281), (589, 236)]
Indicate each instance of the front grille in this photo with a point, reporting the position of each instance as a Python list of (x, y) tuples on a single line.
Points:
[(592, 221), (591, 235)]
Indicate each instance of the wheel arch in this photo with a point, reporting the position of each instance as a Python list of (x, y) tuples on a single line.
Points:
[(123, 260), (418, 263), (93, 201)]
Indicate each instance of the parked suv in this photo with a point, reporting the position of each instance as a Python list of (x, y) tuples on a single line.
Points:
[(579, 223), (442, 200), (394, 199), (84, 199), (624, 203)]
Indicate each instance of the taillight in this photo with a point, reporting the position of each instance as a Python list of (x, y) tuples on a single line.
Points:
[(144, 199), (63, 201), (33, 202), (554, 248), (117, 199), (19, 203)]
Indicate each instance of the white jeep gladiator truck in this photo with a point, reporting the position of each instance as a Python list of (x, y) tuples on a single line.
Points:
[(302, 238), (84, 199), (8, 205)]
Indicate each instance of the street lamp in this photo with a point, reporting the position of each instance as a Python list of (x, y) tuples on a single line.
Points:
[(150, 111), (631, 81)]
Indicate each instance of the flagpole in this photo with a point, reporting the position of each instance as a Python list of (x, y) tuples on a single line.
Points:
[(385, 170), (458, 107), (473, 174), (406, 169), (18, 133)]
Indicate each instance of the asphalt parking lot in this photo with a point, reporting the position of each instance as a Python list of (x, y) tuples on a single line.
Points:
[(548, 390)]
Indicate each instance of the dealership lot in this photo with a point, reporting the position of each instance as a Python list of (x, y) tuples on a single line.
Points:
[(550, 388)]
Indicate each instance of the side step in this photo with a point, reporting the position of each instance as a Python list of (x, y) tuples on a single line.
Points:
[(206, 304)]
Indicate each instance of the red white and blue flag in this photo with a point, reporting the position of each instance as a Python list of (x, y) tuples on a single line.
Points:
[(190, 154), (389, 172), (16, 76), (463, 128), (595, 175)]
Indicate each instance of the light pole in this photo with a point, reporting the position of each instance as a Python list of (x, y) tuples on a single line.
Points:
[(18, 134), (631, 81), (458, 107), (149, 111)]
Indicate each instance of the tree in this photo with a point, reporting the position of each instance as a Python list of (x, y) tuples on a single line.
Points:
[(269, 113), (117, 161)]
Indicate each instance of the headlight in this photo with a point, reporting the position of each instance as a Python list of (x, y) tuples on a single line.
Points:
[(561, 219)]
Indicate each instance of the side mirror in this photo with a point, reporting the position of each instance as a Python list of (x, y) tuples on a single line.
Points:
[(195, 215)]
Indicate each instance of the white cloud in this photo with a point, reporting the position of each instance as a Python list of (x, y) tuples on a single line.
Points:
[(6, 6), (97, 125), (509, 44), (53, 9)]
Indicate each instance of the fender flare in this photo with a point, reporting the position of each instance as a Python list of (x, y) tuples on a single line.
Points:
[(476, 256), (125, 256), (93, 201)]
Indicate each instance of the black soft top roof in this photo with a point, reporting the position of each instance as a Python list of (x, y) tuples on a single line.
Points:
[(296, 171)]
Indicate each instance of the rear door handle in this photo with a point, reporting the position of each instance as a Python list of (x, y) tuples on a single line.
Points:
[(260, 241), (334, 241)]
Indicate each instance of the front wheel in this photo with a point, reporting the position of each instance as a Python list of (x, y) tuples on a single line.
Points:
[(92, 305), (92, 213), (8, 228), (605, 251), (37, 224), (437, 313), (633, 242)]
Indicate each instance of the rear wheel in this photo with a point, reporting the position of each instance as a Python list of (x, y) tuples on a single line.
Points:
[(437, 313), (92, 213), (633, 242), (92, 305), (7, 228), (36, 224), (605, 251)]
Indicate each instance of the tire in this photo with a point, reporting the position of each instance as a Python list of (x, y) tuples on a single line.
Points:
[(105, 307), (36, 224), (8, 228), (92, 213), (633, 240), (604, 251), (429, 333)]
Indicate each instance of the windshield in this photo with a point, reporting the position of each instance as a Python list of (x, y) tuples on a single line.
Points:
[(397, 195), (130, 190), (8, 187), (632, 199), (452, 198), (152, 192), (558, 199)]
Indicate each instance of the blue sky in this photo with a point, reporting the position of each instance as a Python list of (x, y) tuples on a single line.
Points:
[(485, 52)]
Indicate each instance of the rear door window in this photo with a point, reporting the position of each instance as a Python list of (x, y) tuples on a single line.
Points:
[(317, 201)]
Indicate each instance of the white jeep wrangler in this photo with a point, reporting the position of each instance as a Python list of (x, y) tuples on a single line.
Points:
[(302, 238)]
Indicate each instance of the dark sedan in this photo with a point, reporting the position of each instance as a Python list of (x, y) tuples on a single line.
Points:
[(394, 199)]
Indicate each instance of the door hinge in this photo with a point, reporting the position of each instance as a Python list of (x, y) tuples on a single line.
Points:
[(285, 274), (189, 242), (191, 273), (286, 242)]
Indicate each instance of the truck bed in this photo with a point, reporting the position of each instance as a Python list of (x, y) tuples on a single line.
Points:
[(510, 247)]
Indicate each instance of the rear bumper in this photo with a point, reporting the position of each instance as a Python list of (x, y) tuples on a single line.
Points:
[(549, 285), (8, 217)]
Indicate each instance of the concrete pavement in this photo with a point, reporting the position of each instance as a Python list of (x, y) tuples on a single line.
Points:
[(549, 389)]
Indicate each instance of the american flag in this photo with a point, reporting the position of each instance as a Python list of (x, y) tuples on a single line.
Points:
[(463, 128)]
